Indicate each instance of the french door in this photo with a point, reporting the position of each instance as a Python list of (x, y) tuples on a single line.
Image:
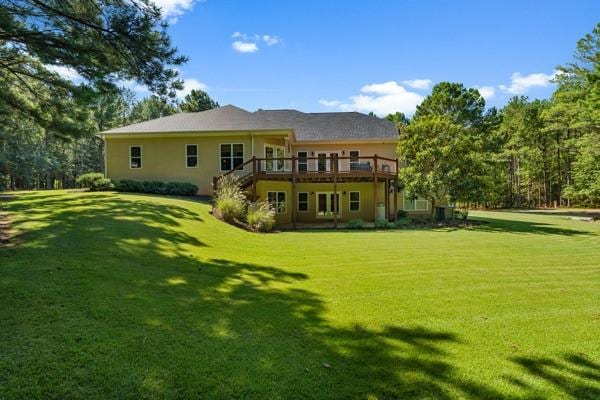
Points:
[(274, 158), (324, 161), (325, 204)]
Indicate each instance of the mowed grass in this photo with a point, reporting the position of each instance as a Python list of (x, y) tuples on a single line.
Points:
[(107, 295)]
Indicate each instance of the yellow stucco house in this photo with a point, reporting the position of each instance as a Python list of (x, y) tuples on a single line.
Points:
[(311, 166)]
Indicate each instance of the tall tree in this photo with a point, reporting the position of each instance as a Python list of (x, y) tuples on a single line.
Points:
[(150, 108), (443, 146), (197, 100), (464, 106), (399, 119), (103, 42)]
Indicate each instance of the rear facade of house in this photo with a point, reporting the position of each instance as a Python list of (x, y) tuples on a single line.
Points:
[(312, 167)]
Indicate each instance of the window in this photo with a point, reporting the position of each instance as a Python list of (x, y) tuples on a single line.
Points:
[(415, 203), (354, 201), (277, 201), (232, 156), (302, 161), (191, 155), (302, 201), (322, 162), (135, 156), (354, 160)]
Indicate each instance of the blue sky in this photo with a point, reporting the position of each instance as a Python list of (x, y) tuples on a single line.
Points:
[(372, 55)]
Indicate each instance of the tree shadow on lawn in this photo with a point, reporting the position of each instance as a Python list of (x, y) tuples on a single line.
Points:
[(575, 375), (119, 319), (502, 225)]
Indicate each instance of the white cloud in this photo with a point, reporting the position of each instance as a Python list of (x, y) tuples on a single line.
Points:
[(418, 83), (249, 43), (244, 47), (520, 84), (189, 85), (173, 9), (270, 40), (487, 92), (135, 87), (380, 98), (64, 72)]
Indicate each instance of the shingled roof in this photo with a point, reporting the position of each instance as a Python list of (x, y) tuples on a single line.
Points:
[(337, 126), (332, 126), (227, 118)]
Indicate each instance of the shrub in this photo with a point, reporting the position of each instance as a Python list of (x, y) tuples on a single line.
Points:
[(391, 225), (355, 224), (402, 214), (95, 181), (157, 187), (380, 224), (261, 216), (229, 198), (181, 188)]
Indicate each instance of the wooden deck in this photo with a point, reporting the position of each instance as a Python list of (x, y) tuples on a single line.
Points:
[(320, 170)]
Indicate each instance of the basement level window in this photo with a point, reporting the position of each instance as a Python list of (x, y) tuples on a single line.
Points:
[(277, 200), (354, 201), (302, 201)]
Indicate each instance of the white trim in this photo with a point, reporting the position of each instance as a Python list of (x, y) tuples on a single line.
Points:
[(286, 202), (141, 156), (328, 202), (186, 155), (350, 201), (307, 202), (231, 144)]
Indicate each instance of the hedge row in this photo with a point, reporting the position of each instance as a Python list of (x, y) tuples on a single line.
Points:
[(157, 187)]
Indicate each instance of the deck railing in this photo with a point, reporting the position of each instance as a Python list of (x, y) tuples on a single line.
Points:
[(321, 165)]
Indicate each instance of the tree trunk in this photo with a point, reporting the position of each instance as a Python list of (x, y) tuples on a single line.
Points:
[(558, 168)]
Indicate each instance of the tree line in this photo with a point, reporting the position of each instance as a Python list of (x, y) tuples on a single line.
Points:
[(530, 153), (35, 158)]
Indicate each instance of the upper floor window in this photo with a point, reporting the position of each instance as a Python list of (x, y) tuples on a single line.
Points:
[(191, 155), (302, 161), (232, 156), (354, 160), (135, 156)]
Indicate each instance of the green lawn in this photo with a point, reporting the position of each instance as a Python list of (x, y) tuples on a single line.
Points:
[(128, 296)]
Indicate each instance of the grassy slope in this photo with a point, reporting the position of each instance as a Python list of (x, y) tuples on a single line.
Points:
[(131, 296)]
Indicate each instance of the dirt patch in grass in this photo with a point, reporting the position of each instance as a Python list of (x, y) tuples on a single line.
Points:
[(4, 228)]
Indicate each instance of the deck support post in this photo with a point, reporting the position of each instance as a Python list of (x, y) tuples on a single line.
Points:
[(375, 168), (253, 178), (386, 189), (396, 193), (293, 200), (334, 164)]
